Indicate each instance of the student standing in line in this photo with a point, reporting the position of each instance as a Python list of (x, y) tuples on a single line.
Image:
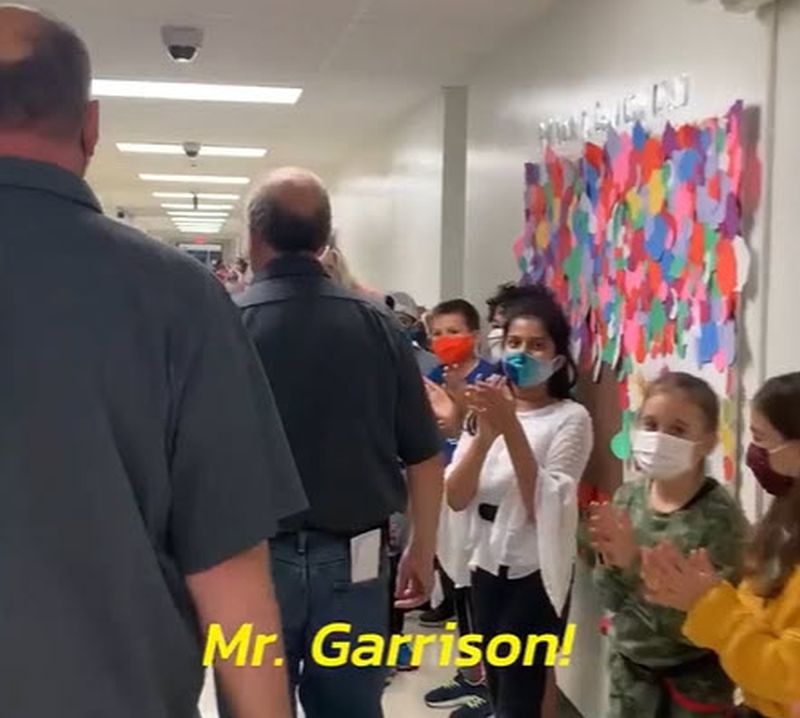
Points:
[(455, 330), (655, 671), (517, 479), (755, 630), (498, 305)]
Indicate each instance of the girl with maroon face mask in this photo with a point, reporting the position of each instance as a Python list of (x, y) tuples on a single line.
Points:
[(774, 456)]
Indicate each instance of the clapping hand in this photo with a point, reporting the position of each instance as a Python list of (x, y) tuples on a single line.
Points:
[(612, 535), (494, 403), (456, 387), (674, 580), (444, 408)]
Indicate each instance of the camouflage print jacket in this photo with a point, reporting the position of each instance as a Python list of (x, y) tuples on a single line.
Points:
[(651, 635)]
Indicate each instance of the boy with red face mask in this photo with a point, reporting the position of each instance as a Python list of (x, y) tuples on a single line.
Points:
[(455, 337)]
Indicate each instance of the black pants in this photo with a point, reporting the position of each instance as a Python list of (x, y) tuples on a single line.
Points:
[(464, 611), (397, 617), (448, 589), (521, 608)]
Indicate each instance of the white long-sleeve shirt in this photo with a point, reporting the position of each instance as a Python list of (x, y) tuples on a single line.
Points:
[(561, 439)]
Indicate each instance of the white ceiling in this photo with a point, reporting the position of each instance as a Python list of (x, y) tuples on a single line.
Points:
[(362, 63)]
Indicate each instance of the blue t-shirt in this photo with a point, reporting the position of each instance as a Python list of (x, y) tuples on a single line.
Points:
[(483, 370)]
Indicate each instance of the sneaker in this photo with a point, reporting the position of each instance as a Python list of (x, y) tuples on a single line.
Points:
[(475, 707), (437, 617), (404, 656), (455, 693)]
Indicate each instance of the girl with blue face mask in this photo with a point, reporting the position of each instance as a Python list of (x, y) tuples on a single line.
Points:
[(516, 475)]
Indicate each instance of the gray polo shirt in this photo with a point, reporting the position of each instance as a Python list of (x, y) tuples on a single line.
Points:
[(139, 443), (349, 391)]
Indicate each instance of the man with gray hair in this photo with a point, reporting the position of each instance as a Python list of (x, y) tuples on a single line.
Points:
[(142, 462), (355, 411)]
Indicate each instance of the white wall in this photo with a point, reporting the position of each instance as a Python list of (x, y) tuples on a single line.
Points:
[(582, 52), (387, 206), (783, 345)]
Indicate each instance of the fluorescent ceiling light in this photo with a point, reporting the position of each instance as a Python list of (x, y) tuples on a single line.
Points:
[(205, 151), (186, 220), (195, 179), (195, 91), (197, 214), (199, 224), (190, 228), (200, 196), (200, 207)]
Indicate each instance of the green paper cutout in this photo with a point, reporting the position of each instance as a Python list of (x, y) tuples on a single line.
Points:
[(572, 266), (657, 319), (621, 444), (678, 266)]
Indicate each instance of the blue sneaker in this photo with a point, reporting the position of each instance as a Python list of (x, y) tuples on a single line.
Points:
[(404, 656), (457, 692)]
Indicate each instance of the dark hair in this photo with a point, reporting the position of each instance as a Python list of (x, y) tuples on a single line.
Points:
[(697, 391), (540, 303), (509, 293), (287, 231), (50, 88), (461, 307), (775, 552)]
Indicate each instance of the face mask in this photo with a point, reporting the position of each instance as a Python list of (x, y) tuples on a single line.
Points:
[(454, 350), (525, 371), (662, 457), (416, 334), (495, 343), (773, 482)]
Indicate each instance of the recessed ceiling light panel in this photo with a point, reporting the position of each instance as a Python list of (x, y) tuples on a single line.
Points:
[(199, 195), (195, 179), (144, 89), (147, 148), (200, 207)]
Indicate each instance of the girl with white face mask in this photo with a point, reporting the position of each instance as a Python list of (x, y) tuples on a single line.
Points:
[(655, 671)]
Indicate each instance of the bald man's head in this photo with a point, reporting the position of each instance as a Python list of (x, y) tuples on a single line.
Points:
[(45, 75), (290, 212)]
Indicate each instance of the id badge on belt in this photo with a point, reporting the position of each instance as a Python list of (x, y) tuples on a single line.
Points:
[(365, 556)]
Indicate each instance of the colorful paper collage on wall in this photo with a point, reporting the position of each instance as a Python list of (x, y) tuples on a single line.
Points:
[(640, 240)]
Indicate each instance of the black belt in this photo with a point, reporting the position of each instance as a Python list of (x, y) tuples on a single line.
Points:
[(343, 535), (488, 512)]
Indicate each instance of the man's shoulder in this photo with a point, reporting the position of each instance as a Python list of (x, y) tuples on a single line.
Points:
[(147, 258)]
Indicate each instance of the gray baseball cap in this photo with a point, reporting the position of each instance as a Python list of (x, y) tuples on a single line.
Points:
[(403, 303)]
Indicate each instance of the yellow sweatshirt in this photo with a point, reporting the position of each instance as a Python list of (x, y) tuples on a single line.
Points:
[(757, 641)]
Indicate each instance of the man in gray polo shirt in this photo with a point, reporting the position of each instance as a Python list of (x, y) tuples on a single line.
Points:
[(142, 461)]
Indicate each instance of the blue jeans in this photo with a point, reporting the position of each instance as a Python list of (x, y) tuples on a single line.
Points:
[(311, 572)]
